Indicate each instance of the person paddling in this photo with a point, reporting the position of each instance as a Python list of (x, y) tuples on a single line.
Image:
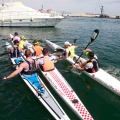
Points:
[(69, 50), (16, 37), (23, 42), (37, 48), (91, 65), (27, 67), (47, 62), (15, 50)]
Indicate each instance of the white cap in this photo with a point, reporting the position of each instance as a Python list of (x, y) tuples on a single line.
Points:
[(67, 43)]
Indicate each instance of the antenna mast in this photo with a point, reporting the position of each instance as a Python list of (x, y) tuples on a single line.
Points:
[(101, 10)]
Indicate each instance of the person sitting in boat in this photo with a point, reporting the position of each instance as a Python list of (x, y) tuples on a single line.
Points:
[(69, 50), (16, 37), (37, 48), (30, 47), (15, 50), (27, 67), (91, 65), (47, 62), (23, 42)]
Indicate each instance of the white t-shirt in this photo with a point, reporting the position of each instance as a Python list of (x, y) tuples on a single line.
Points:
[(25, 43), (29, 46)]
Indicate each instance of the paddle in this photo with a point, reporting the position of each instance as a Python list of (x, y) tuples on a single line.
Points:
[(36, 40), (10, 66), (5, 39), (93, 37), (74, 41), (5, 53)]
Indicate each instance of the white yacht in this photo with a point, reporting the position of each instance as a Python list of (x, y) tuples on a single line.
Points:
[(15, 14)]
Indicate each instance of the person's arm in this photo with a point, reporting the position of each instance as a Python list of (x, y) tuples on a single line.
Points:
[(66, 53), (78, 67), (10, 40), (41, 47), (81, 66), (75, 46), (21, 50), (20, 68), (87, 50)]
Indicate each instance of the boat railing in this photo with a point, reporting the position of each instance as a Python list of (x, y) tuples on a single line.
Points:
[(28, 13)]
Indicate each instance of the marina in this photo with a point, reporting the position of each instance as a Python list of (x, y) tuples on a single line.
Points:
[(101, 103), (15, 14)]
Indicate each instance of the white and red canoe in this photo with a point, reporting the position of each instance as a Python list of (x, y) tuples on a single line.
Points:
[(101, 76), (68, 95), (34, 82)]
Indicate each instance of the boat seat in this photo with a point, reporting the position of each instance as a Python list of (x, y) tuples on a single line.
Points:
[(33, 79), (19, 60)]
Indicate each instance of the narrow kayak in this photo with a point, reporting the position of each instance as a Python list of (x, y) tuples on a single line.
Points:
[(101, 76), (40, 90), (64, 90)]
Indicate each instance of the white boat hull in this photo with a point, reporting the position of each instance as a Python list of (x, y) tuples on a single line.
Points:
[(38, 22), (15, 14), (100, 76), (64, 90), (46, 98)]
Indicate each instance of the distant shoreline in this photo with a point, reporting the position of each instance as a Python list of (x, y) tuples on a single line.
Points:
[(92, 15)]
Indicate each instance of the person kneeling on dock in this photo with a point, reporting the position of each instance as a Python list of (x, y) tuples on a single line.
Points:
[(47, 62), (91, 65), (27, 67)]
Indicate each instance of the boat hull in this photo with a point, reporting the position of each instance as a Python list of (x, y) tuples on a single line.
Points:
[(37, 22), (67, 94), (40, 90), (15, 14), (101, 76)]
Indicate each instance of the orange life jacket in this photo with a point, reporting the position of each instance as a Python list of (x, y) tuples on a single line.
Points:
[(48, 64), (38, 50)]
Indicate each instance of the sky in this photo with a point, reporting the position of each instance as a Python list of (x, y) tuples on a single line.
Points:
[(111, 7)]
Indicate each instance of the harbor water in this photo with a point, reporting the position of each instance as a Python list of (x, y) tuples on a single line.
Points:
[(17, 102)]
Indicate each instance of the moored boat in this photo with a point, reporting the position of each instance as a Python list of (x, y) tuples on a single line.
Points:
[(40, 90), (101, 76), (15, 14)]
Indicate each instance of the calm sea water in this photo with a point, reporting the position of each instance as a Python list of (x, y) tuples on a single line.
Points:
[(18, 103)]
